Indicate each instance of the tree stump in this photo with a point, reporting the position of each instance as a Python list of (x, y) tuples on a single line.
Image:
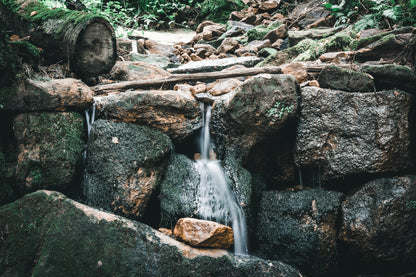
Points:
[(83, 40)]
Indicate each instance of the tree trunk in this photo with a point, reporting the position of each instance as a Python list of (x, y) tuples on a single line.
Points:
[(83, 40)]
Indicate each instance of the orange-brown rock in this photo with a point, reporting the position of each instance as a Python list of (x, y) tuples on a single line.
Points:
[(223, 86), (166, 231), (130, 71), (278, 33), (336, 57), (297, 70), (203, 233), (314, 83), (229, 45), (201, 26), (53, 95), (199, 88), (154, 47), (211, 32), (269, 5)]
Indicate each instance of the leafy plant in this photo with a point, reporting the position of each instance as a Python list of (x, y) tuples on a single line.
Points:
[(278, 111)]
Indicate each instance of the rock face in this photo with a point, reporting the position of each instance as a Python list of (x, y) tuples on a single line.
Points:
[(49, 150), (379, 223), (300, 228), (131, 71), (175, 113), (179, 191), (334, 77), (204, 233), (392, 76), (125, 163), (259, 107), (53, 95), (36, 229), (341, 133)]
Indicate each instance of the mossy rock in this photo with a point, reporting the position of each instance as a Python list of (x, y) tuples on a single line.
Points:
[(335, 77), (9, 64), (258, 32), (288, 55), (50, 150), (392, 76), (47, 234), (6, 192)]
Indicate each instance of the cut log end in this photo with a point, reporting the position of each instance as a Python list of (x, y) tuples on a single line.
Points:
[(95, 50)]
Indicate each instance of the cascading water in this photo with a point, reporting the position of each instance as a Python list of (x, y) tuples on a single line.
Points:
[(217, 201), (89, 118)]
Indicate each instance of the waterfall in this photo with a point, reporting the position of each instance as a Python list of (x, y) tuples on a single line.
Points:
[(217, 201), (89, 118), (134, 46)]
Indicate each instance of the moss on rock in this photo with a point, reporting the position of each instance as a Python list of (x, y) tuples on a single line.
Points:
[(50, 149)]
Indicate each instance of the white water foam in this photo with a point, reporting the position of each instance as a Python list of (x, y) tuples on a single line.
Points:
[(217, 201)]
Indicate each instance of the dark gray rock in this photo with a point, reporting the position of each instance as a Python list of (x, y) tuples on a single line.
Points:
[(47, 234), (342, 133), (175, 113), (392, 76), (258, 108), (300, 228), (379, 223), (338, 78), (125, 163), (215, 65), (319, 33), (49, 150), (179, 191)]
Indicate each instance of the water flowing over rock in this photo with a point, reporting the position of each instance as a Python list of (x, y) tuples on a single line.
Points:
[(204, 233), (49, 150), (125, 163), (53, 95), (45, 233), (258, 108), (342, 133), (300, 228), (175, 113), (379, 224)]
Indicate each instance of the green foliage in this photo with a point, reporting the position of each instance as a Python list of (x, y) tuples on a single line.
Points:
[(219, 10), (373, 13), (278, 110), (411, 204)]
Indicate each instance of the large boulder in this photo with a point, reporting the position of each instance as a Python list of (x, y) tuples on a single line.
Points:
[(47, 234), (125, 163), (179, 191), (258, 108), (378, 229), (204, 233), (342, 133), (300, 228), (335, 77), (52, 95), (392, 76), (49, 150), (175, 113)]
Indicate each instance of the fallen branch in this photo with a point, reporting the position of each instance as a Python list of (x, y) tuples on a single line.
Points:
[(178, 78)]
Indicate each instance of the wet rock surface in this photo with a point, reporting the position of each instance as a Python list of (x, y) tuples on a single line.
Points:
[(110, 245), (125, 163), (346, 133), (334, 77), (300, 228)]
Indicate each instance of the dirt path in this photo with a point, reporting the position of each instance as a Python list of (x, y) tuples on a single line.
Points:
[(170, 37)]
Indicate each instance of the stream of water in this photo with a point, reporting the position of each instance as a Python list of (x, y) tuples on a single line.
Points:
[(217, 201)]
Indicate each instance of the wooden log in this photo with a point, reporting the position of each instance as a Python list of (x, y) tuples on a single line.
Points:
[(178, 78), (83, 40)]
